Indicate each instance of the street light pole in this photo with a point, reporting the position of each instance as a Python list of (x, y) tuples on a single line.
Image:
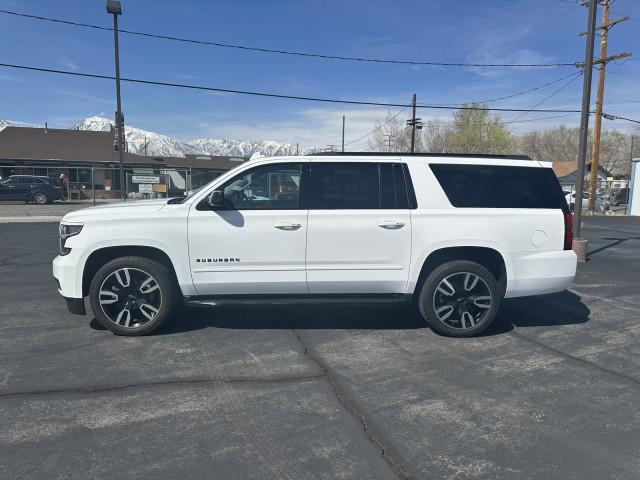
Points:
[(114, 8), (580, 244)]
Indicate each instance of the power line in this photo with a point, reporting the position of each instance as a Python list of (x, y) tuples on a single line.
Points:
[(376, 128), (610, 116), (547, 98), (275, 95), (539, 118), (539, 87), (285, 52)]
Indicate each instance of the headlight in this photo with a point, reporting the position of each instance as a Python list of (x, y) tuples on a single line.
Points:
[(68, 230)]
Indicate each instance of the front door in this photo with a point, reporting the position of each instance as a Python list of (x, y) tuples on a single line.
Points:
[(359, 233), (256, 243), (13, 189)]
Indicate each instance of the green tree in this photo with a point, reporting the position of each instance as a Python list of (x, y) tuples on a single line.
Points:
[(475, 130)]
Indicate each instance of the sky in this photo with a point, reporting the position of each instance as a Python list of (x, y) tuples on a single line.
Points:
[(468, 31)]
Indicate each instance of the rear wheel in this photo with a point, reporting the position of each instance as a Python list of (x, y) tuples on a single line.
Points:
[(460, 298), (132, 295), (40, 198)]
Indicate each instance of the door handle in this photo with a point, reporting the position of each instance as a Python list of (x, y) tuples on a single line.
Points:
[(287, 226), (390, 225)]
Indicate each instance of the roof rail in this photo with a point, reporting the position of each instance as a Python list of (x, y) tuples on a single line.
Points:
[(405, 154)]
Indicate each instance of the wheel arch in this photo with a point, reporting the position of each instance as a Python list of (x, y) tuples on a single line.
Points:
[(488, 257), (105, 254)]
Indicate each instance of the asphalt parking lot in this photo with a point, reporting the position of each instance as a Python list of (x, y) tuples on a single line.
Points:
[(552, 392)]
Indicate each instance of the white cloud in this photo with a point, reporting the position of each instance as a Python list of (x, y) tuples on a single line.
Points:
[(310, 127)]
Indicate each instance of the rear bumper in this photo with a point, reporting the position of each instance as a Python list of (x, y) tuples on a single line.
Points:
[(540, 273)]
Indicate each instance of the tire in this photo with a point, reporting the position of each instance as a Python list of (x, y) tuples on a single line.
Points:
[(40, 198), (138, 295), (457, 287)]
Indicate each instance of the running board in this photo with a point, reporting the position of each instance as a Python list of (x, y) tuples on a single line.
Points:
[(294, 300)]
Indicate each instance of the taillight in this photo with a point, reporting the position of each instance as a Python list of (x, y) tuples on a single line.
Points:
[(568, 230)]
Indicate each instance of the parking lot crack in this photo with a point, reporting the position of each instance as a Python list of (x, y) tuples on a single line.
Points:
[(196, 381), (391, 457), (627, 378)]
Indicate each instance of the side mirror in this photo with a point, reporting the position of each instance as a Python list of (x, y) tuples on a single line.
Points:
[(216, 199)]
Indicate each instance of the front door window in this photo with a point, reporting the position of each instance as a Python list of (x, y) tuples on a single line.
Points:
[(269, 187)]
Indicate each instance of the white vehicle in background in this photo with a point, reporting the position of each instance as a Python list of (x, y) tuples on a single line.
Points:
[(454, 234), (602, 205)]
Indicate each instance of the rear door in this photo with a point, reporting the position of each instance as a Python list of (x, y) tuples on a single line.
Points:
[(359, 232)]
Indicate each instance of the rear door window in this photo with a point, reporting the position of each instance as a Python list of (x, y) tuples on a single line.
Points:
[(496, 186), (358, 185), (344, 185), (393, 190)]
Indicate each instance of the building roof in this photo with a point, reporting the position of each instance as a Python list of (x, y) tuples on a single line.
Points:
[(23, 143), (564, 169), (217, 162), (54, 145)]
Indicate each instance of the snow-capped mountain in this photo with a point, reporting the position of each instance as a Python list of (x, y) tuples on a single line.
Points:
[(156, 144), (3, 124), (162, 145), (239, 148)]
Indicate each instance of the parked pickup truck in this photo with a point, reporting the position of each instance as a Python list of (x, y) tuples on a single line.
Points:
[(453, 234)]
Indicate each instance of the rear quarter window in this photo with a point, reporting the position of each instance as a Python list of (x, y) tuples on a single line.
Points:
[(496, 186)]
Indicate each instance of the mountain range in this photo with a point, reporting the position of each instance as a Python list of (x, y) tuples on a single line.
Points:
[(151, 143)]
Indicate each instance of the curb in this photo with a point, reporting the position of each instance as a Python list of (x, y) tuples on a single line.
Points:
[(34, 219)]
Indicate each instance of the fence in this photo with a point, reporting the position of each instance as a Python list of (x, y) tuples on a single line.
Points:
[(92, 183), (609, 194)]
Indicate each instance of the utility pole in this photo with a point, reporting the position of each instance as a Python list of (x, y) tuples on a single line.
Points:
[(343, 120), (114, 8), (331, 147), (414, 123), (297, 148), (388, 138), (579, 244), (597, 125), (631, 159)]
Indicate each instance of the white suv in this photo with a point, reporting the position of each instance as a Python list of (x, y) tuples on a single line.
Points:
[(453, 233)]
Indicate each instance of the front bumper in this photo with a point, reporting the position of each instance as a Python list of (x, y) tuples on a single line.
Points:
[(75, 305), (67, 272)]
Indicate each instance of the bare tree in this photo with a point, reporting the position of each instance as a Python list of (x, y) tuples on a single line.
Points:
[(393, 127), (437, 136), (560, 144)]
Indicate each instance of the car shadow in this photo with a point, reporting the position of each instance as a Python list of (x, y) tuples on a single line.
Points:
[(553, 310)]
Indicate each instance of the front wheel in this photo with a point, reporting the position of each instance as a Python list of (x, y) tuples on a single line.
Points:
[(460, 298), (132, 295)]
